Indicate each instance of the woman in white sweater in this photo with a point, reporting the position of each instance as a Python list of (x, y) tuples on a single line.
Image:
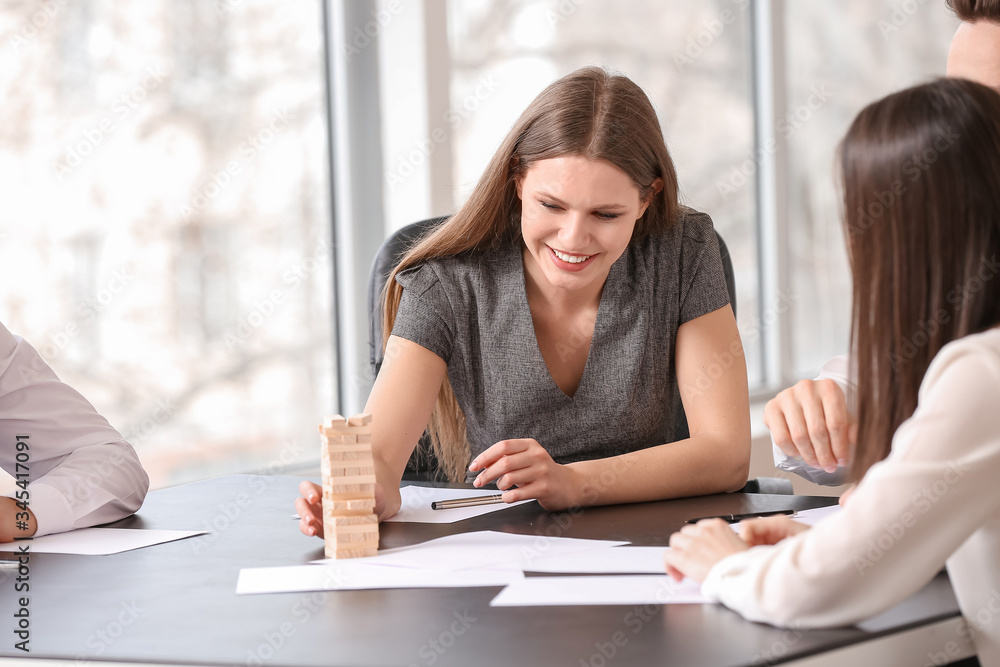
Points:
[(922, 221)]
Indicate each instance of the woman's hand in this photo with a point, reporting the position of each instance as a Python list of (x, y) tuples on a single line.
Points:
[(524, 470), (769, 530), (696, 549), (310, 508), (810, 420), (15, 520)]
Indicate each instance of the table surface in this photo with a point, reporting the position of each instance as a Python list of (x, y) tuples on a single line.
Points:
[(176, 602)]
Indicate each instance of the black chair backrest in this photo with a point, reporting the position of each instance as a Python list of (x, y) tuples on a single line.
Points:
[(423, 464), (386, 259)]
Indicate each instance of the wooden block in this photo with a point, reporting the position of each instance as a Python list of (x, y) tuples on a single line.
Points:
[(344, 430), (342, 547), (350, 468), (355, 505), (339, 531), (340, 535), (363, 419), (350, 523), (351, 540), (340, 505), (364, 437), (353, 479), (341, 439), (332, 422), (353, 553), (352, 490), (336, 514), (336, 461), (369, 527), (370, 520), (344, 447), (350, 455), (367, 493), (361, 503)]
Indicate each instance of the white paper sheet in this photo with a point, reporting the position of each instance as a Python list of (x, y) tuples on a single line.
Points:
[(613, 590), (99, 541), (482, 549), (350, 575), (416, 507), (816, 514), (619, 560)]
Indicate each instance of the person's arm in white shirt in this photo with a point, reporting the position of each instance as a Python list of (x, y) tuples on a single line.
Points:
[(911, 511), (81, 472), (811, 420)]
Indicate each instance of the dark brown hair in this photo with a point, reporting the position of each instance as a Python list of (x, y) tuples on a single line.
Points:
[(976, 10), (589, 113), (922, 218)]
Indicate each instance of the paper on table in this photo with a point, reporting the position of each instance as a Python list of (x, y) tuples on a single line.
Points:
[(416, 507), (560, 591), (816, 514), (343, 576), (619, 560), (99, 541), (483, 549)]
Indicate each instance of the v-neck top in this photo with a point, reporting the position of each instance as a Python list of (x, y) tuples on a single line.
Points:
[(472, 311)]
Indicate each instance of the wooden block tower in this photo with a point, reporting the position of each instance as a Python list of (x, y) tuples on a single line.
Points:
[(350, 527)]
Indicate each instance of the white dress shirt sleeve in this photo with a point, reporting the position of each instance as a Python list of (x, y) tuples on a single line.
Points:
[(837, 369), (910, 513), (80, 471)]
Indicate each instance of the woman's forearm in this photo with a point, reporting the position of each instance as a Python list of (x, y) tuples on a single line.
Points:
[(703, 464)]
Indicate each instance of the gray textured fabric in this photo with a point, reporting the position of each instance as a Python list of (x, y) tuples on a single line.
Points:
[(472, 311)]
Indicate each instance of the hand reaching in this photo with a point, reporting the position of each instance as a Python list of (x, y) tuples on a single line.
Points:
[(810, 420), (310, 507), (769, 530), (696, 549)]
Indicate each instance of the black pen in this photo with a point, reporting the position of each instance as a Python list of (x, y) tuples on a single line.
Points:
[(736, 518)]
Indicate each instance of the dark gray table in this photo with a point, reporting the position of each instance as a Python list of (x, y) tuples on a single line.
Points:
[(176, 603)]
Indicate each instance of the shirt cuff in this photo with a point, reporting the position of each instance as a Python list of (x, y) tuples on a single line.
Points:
[(712, 586), (52, 511)]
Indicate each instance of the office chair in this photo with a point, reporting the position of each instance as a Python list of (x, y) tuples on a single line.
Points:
[(423, 465)]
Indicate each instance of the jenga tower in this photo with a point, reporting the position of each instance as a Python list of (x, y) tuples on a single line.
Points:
[(350, 527)]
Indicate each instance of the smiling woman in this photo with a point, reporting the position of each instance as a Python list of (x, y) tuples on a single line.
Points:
[(543, 330)]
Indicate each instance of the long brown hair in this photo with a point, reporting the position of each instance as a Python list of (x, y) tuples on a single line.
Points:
[(588, 112), (920, 173)]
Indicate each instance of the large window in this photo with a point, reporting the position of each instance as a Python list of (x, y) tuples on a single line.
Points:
[(165, 236), (840, 57), (697, 62)]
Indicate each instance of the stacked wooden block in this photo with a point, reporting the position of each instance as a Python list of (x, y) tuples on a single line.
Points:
[(350, 527)]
